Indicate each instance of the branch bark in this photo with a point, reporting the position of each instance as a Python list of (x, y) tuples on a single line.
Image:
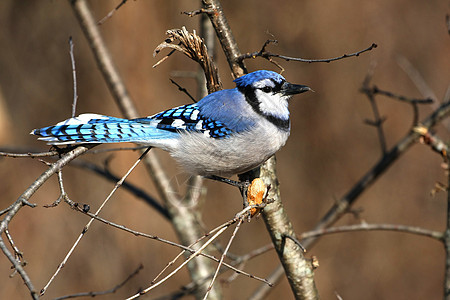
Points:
[(226, 37), (298, 270)]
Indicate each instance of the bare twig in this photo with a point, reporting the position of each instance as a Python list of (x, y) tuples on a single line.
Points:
[(192, 256), (109, 15), (375, 227), (33, 153), (136, 191), (63, 194), (185, 248), (375, 90), (29, 154), (198, 12), (222, 257), (103, 58), (220, 229), (268, 55), (297, 267), (378, 122), (87, 226), (110, 291), (183, 90), (17, 253), (238, 261), (74, 75), (24, 200)]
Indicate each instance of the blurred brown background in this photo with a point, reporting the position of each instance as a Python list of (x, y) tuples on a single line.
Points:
[(330, 147)]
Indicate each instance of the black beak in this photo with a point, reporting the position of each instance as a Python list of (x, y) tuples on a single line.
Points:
[(292, 89)]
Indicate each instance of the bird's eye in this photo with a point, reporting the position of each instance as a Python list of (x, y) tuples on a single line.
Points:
[(267, 89)]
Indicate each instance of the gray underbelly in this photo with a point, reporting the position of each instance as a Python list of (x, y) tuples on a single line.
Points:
[(198, 154)]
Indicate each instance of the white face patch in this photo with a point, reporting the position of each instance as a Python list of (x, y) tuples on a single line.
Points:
[(273, 104)]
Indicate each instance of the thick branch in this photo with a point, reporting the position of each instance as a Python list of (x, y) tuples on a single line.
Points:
[(226, 37), (298, 270)]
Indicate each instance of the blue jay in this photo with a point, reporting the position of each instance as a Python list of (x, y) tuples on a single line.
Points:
[(227, 132)]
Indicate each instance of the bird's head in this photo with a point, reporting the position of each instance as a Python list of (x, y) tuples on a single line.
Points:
[(268, 93)]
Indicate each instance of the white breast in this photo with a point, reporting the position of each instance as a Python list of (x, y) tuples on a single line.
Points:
[(200, 154)]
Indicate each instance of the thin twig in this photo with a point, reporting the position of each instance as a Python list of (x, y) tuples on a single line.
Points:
[(267, 55), (130, 187), (222, 257), (378, 122), (74, 75), (62, 195), (447, 22), (109, 15), (192, 256), (24, 200), (185, 248), (197, 12), (29, 154), (437, 235), (183, 90), (375, 90), (86, 227), (416, 77), (17, 253)]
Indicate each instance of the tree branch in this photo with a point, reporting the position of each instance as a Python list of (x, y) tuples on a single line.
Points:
[(298, 270), (268, 55), (24, 200), (214, 10)]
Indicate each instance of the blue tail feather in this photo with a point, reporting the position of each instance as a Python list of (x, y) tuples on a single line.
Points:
[(92, 128)]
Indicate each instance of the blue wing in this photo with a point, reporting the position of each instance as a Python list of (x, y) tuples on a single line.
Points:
[(189, 118), (167, 125)]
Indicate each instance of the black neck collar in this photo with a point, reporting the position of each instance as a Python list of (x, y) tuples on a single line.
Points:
[(250, 97)]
